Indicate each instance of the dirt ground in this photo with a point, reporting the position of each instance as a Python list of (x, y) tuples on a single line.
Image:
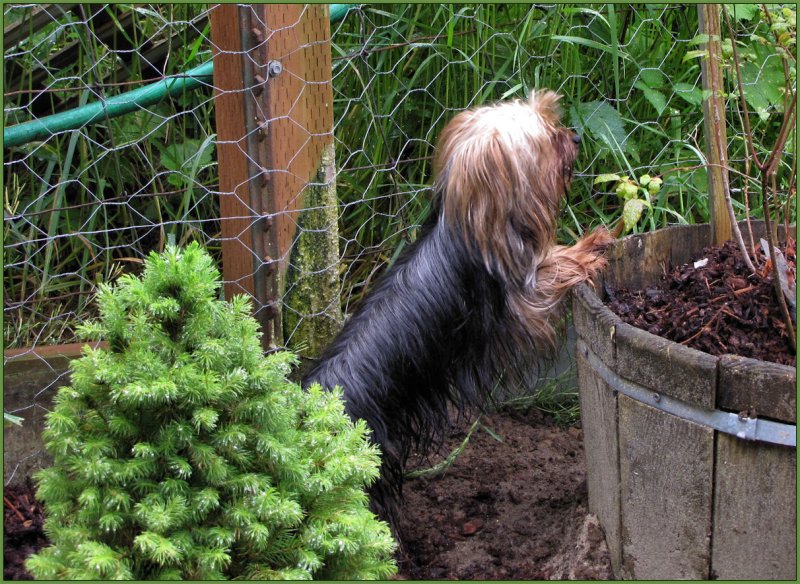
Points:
[(512, 506)]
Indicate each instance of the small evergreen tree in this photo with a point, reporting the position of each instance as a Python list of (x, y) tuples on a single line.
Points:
[(182, 452)]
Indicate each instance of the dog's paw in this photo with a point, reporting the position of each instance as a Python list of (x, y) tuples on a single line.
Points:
[(597, 241)]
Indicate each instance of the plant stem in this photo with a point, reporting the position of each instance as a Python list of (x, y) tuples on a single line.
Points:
[(769, 174), (773, 260), (768, 169), (745, 118)]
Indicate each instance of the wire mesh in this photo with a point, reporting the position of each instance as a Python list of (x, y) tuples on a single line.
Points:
[(86, 205)]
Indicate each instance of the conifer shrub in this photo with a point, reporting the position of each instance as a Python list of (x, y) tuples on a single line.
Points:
[(181, 452)]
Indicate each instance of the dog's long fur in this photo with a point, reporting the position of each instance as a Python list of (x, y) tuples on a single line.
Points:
[(476, 295)]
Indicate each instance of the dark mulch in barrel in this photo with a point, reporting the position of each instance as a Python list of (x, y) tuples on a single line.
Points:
[(719, 307)]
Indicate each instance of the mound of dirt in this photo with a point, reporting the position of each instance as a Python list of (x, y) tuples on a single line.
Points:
[(512, 506), (718, 307)]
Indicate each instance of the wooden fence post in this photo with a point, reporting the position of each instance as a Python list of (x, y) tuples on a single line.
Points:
[(272, 77), (240, 208), (299, 104)]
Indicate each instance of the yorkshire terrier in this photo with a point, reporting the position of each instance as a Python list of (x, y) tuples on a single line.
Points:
[(477, 297)]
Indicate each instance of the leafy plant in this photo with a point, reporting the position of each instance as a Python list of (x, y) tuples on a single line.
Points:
[(92, 201), (628, 190), (181, 452)]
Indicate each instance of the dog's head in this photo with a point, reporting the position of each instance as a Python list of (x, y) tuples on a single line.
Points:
[(502, 171)]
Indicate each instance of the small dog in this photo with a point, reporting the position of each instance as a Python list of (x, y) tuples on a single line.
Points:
[(476, 297)]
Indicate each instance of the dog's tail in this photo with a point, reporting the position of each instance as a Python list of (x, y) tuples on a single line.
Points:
[(536, 302)]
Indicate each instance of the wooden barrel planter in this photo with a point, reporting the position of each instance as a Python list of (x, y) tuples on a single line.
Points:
[(684, 485)]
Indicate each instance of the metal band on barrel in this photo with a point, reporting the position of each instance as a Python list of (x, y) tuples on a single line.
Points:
[(742, 427)]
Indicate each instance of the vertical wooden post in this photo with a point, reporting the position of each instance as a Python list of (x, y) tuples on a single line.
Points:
[(274, 102), (299, 104), (714, 124), (241, 217), (231, 151)]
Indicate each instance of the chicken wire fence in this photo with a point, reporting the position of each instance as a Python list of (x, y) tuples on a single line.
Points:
[(87, 203)]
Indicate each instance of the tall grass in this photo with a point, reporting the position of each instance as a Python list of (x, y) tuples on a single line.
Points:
[(400, 73), (83, 206)]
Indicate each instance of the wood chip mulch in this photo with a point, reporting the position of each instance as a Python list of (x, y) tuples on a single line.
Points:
[(717, 308)]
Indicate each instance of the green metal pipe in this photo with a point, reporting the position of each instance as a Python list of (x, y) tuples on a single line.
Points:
[(114, 106), (123, 103), (339, 10)]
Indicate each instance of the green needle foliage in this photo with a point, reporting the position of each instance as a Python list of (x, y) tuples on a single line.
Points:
[(182, 453)]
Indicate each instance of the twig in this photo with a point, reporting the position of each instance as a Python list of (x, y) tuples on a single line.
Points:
[(746, 116), (447, 462), (14, 509), (745, 121), (735, 317), (775, 278), (770, 172), (737, 234), (741, 291), (704, 328)]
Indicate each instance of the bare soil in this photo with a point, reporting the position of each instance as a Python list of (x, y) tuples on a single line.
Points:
[(718, 308), (512, 506)]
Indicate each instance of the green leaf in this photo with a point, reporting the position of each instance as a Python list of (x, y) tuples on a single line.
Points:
[(513, 90), (763, 81), (573, 40), (689, 92), (779, 25), (743, 11), (632, 212), (602, 122), (492, 433), (654, 96), (699, 39), (694, 55), (180, 158), (653, 78), (654, 185), (131, 128), (627, 189), (607, 178)]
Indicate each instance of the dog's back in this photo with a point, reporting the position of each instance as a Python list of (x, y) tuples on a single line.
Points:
[(420, 334)]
